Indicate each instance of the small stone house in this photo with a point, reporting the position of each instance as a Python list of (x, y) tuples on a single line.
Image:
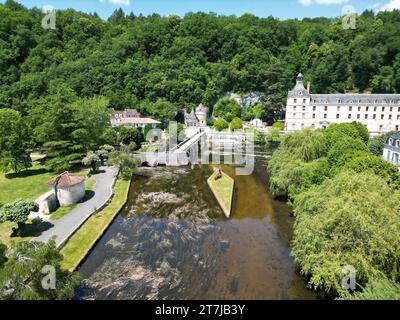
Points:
[(68, 189)]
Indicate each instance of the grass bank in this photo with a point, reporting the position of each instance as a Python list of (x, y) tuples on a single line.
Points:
[(223, 189), (82, 241)]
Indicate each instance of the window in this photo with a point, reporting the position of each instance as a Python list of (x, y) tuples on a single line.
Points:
[(304, 100), (391, 109), (294, 108), (358, 116), (380, 127), (374, 117), (398, 117), (338, 116), (375, 109), (325, 116), (313, 116), (326, 108), (295, 100), (383, 109), (350, 108), (304, 108), (382, 116), (366, 116), (359, 109), (349, 116), (338, 108), (390, 117), (314, 108), (397, 128), (367, 109), (294, 115)]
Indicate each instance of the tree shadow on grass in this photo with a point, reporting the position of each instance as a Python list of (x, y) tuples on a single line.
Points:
[(33, 229), (26, 173)]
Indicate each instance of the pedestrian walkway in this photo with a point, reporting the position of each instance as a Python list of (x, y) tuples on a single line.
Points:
[(63, 228)]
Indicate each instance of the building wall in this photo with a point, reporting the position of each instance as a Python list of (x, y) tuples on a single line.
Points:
[(379, 119), (71, 195)]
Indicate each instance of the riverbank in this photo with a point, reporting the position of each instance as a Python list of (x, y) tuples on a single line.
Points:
[(81, 242), (222, 189)]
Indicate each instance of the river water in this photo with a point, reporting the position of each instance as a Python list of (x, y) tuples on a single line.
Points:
[(172, 241)]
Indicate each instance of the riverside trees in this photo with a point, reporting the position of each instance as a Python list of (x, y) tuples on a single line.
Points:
[(346, 204)]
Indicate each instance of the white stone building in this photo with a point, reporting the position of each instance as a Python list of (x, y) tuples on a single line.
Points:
[(196, 120), (68, 189), (380, 113), (391, 150)]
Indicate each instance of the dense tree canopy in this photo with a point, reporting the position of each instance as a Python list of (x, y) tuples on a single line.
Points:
[(134, 61)]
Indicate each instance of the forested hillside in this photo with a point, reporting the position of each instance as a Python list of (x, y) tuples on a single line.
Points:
[(162, 64)]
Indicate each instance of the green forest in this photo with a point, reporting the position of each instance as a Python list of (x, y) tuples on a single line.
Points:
[(135, 61)]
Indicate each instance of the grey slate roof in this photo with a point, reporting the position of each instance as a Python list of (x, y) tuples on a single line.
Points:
[(356, 99)]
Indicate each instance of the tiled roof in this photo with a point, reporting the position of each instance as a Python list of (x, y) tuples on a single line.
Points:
[(137, 121), (65, 180)]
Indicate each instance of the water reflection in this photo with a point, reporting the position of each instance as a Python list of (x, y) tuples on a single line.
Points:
[(172, 241)]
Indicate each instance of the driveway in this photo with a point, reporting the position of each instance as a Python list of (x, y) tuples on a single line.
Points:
[(66, 226)]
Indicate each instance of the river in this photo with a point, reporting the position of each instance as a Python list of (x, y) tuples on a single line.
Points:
[(172, 241)]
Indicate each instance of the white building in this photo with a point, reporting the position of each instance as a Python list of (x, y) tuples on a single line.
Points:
[(196, 120), (391, 150), (132, 118), (68, 189), (380, 113)]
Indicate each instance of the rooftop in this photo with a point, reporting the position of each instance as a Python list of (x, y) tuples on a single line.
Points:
[(137, 121), (65, 180)]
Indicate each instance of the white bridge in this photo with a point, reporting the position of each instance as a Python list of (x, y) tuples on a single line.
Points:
[(199, 148)]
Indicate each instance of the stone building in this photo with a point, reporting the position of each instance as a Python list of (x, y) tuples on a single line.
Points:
[(197, 117), (68, 189), (380, 113), (391, 150)]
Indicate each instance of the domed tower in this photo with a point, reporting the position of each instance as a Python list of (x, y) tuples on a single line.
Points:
[(202, 115)]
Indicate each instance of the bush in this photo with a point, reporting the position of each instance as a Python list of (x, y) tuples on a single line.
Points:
[(236, 124), (376, 289), (344, 148), (220, 125)]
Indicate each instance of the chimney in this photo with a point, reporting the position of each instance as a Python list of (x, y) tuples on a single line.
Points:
[(308, 87)]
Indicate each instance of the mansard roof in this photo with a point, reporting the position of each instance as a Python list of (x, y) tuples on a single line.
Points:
[(353, 98), (393, 140)]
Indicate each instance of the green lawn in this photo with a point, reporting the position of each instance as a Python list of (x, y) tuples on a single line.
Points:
[(29, 184), (78, 246), (223, 190)]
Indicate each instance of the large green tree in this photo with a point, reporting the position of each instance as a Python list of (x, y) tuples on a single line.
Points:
[(15, 141), (31, 271)]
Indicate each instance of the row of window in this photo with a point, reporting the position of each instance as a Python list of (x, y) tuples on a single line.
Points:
[(350, 108), (341, 101), (350, 116), (397, 127), (394, 143)]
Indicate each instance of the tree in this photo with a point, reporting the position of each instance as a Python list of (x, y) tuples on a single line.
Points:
[(227, 109), (379, 288), (92, 159), (236, 124), (351, 219), (104, 152), (127, 135), (18, 212), (24, 272), (124, 161), (163, 111), (15, 142), (342, 149), (220, 125)]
